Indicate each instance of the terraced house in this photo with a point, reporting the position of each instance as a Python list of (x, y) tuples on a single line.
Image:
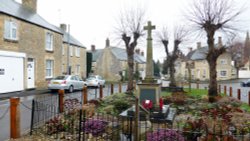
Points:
[(30, 47)]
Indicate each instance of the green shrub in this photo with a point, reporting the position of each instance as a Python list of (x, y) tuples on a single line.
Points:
[(121, 105)]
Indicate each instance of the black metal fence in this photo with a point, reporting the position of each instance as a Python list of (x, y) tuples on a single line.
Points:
[(77, 124)]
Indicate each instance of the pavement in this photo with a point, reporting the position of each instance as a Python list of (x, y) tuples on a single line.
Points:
[(24, 93)]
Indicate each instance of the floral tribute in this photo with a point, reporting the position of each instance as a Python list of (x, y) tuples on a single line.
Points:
[(147, 104)]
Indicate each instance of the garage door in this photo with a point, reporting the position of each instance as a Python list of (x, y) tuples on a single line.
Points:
[(11, 72)]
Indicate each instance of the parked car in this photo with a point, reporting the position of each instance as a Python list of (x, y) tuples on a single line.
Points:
[(246, 83), (95, 81), (66, 82)]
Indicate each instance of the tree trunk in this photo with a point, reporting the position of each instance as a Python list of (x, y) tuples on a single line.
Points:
[(212, 91), (172, 71), (130, 86)]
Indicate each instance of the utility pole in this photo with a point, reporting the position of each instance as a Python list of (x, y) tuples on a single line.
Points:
[(68, 51)]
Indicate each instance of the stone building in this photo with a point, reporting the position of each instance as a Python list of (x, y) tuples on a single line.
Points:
[(200, 69), (111, 61), (74, 55), (30, 47)]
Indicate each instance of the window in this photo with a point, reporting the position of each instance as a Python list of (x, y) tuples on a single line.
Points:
[(10, 30), (77, 51), (49, 68), (204, 73), (223, 73), (71, 50), (77, 69), (223, 62), (49, 41), (63, 50)]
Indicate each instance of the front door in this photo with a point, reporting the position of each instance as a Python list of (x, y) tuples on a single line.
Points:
[(30, 73)]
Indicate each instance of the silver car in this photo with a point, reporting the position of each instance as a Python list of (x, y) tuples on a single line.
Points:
[(66, 82), (95, 81)]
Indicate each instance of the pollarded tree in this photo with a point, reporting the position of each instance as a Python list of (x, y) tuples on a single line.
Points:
[(212, 16), (130, 29), (180, 35)]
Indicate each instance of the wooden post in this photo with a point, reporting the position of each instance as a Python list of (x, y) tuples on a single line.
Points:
[(134, 84), (219, 89), (239, 96), (85, 95), (137, 114), (230, 91), (14, 117), (120, 87), (225, 90), (197, 85), (112, 89), (249, 98), (61, 100), (101, 92)]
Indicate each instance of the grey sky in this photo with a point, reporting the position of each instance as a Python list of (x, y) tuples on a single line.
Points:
[(92, 21)]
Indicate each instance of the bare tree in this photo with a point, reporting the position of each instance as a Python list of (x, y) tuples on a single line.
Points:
[(212, 16), (180, 35), (130, 29)]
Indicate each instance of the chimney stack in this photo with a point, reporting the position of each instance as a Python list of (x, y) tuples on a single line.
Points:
[(198, 45), (137, 51), (142, 53), (92, 48), (30, 4), (107, 42), (63, 27), (190, 49), (220, 42)]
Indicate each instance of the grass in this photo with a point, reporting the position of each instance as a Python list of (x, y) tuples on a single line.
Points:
[(194, 92), (245, 107)]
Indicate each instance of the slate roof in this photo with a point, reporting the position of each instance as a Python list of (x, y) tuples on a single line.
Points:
[(120, 54), (71, 40), (17, 10)]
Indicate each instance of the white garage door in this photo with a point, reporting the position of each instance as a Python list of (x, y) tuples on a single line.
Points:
[(11, 72)]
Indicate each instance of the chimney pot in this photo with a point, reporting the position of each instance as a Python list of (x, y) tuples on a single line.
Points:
[(31, 4), (107, 42), (190, 49), (198, 45), (93, 48), (63, 27)]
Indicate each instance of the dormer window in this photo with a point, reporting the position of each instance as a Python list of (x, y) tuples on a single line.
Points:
[(10, 30)]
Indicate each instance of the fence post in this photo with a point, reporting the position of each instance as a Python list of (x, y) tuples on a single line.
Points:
[(100, 92), (120, 87), (61, 99), (112, 88), (225, 90), (219, 89), (14, 117), (230, 91), (239, 96), (85, 95), (249, 98)]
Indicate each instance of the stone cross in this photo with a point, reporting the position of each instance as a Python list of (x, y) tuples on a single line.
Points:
[(149, 65)]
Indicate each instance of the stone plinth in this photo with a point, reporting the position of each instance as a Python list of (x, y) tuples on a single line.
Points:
[(149, 91)]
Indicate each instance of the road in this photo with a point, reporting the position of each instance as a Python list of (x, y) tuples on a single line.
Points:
[(26, 105)]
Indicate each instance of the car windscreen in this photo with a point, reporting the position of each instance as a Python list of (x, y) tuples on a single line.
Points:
[(91, 78), (60, 78)]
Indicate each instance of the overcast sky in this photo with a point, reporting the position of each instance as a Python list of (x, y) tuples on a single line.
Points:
[(92, 21)]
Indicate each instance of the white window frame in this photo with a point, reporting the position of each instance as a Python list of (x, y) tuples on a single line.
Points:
[(49, 68), (71, 50), (49, 41), (223, 61), (77, 51), (223, 75), (78, 68), (63, 51), (10, 30)]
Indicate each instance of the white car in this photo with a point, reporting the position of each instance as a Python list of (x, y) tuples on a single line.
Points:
[(66, 82), (95, 81)]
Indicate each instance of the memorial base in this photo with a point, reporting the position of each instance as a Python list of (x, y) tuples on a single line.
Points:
[(149, 91)]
